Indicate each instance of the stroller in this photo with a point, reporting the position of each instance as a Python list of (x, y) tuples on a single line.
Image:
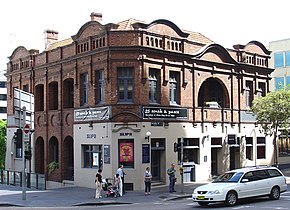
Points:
[(111, 190)]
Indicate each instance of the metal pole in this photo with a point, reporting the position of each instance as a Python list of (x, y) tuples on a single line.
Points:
[(181, 161), (23, 158)]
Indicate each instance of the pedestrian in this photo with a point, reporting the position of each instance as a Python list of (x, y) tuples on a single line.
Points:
[(171, 173), (98, 182), (121, 172), (118, 184), (147, 180)]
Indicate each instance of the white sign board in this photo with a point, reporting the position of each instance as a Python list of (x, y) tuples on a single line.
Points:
[(23, 99)]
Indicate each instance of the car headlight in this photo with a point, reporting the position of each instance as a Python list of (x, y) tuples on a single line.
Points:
[(214, 192)]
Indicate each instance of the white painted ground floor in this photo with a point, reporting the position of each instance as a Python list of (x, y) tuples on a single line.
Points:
[(209, 150)]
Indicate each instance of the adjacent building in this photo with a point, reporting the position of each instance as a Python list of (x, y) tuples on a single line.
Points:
[(3, 96), (280, 61), (124, 93)]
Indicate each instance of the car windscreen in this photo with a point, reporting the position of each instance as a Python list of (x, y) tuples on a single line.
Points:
[(229, 177)]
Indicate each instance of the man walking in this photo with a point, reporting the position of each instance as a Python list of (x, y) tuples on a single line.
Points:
[(121, 173), (171, 173)]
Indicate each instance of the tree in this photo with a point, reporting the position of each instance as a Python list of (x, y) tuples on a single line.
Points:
[(273, 112), (2, 143)]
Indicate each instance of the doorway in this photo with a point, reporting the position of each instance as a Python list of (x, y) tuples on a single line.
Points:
[(214, 162), (158, 159), (155, 165), (234, 157)]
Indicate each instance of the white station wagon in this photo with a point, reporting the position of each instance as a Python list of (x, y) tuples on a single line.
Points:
[(242, 183)]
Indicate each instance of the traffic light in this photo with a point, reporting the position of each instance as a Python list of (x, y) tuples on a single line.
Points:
[(18, 136), (27, 154), (177, 147)]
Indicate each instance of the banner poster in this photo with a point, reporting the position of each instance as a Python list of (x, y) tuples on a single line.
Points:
[(126, 152), (96, 159)]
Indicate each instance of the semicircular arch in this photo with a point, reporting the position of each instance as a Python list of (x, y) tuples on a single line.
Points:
[(213, 90)]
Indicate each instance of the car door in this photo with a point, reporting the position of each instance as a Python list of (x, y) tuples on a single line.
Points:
[(262, 182), (246, 186)]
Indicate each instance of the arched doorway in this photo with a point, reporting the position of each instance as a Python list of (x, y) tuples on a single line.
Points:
[(39, 155), (68, 158), (53, 150)]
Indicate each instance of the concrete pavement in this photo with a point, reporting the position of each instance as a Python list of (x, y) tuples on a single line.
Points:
[(79, 196)]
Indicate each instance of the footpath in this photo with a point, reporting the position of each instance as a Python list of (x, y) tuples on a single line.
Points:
[(80, 196)]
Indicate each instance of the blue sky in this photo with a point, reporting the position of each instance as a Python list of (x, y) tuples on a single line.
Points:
[(226, 22)]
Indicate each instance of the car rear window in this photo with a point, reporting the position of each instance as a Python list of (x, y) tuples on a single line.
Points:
[(273, 172)]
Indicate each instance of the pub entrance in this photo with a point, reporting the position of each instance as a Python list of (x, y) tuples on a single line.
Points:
[(158, 164)]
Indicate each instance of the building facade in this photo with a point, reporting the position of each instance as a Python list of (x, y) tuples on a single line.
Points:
[(280, 61), (125, 93), (3, 96)]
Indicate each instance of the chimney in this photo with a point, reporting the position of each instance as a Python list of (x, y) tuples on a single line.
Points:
[(96, 16), (50, 36)]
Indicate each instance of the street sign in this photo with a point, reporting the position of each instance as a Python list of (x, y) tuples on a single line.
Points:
[(26, 129)]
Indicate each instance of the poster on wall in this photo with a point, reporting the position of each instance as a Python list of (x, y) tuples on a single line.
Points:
[(96, 159), (107, 156), (145, 153), (126, 152)]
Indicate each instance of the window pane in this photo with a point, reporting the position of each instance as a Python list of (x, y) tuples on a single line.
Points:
[(249, 93), (84, 88), (126, 84), (279, 60), (153, 85), (261, 152), (121, 89), (92, 156), (279, 83), (287, 58), (100, 86), (287, 81), (174, 87), (2, 84), (261, 140), (130, 89)]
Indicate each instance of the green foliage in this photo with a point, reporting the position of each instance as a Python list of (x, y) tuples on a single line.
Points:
[(52, 166), (273, 111), (2, 143)]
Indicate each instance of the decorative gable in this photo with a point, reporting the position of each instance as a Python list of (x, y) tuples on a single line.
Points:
[(91, 28), (215, 53), (18, 53), (162, 26)]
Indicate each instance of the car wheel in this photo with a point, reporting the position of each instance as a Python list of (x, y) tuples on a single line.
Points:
[(231, 198), (275, 193), (203, 203)]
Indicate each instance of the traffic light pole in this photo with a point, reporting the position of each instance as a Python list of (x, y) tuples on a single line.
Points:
[(181, 161), (23, 158)]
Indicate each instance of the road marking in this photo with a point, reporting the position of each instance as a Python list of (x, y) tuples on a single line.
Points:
[(242, 207)]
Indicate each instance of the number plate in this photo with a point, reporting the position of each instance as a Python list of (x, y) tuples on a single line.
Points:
[(200, 197)]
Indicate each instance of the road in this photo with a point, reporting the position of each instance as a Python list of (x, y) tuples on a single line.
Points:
[(262, 203)]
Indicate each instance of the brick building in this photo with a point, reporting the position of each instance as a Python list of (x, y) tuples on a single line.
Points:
[(125, 93)]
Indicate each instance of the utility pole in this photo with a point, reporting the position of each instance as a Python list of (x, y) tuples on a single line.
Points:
[(181, 162), (23, 156)]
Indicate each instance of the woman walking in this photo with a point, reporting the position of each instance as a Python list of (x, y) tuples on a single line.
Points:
[(98, 182), (147, 180)]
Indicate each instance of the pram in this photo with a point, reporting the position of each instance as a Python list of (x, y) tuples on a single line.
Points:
[(111, 190)]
